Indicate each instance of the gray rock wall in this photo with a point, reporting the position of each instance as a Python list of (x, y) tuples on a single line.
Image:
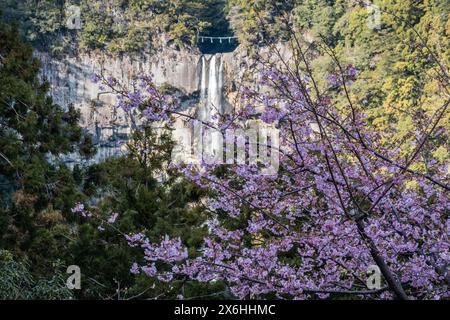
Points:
[(70, 80)]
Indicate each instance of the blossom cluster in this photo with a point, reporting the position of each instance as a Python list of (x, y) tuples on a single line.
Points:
[(81, 210), (144, 96)]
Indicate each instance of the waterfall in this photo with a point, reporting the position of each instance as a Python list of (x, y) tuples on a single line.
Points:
[(211, 102), (211, 85), (203, 85), (214, 90)]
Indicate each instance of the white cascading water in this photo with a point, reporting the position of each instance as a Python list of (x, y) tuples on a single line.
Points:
[(214, 89), (203, 85), (211, 101)]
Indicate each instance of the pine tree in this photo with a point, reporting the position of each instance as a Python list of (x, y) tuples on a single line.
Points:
[(36, 187), (148, 197)]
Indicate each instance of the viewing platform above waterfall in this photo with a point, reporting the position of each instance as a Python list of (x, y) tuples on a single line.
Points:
[(217, 44)]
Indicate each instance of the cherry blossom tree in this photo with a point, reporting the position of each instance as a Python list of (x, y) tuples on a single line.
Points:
[(340, 203)]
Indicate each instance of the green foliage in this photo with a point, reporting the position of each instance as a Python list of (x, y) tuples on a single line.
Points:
[(117, 26), (37, 189), (33, 127), (18, 283), (398, 61), (398, 81), (260, 22), (149, 198), (42, 22)]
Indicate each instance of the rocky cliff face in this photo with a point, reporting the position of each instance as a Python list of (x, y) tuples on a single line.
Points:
[(70, 80)]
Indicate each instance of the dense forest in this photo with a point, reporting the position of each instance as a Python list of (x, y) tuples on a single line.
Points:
[(377, 94), (117, 26)]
